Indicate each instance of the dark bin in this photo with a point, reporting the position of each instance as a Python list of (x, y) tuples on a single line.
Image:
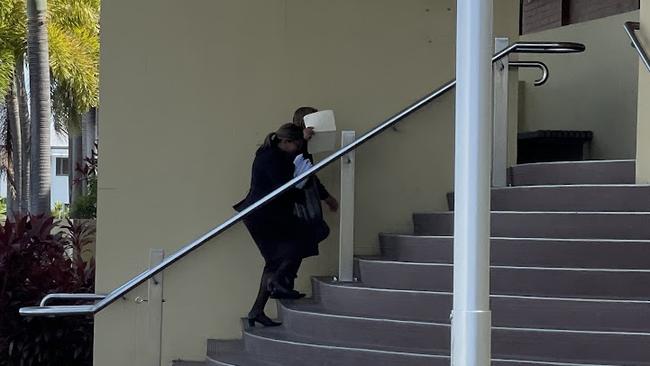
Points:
[(551, 145)]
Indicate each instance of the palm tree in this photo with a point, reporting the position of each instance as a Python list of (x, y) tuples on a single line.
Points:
[(24, 169), (14, 149), (12, 85), (73, 31), (41, 109)]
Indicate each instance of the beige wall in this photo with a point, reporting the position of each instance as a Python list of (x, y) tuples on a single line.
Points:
[(595, 90), (189, 89), (643, 126)]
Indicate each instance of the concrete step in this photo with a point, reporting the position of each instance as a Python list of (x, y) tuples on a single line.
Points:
[(574, 172), (525, 252), (357, 299), (232, 353), (347, 341), (562, 225), (524, 281), (313, 320), (279, 345), (596, 198)]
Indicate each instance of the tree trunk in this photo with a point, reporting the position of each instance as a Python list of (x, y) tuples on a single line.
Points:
[(39, 83), (25, 141), (76, 158), (14, 153)]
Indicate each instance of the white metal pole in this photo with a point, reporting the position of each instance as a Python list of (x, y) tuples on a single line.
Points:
[(346, 229), (471, 317)]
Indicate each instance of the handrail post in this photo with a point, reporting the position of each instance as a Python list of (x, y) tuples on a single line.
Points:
[(500, 121), (346, 227), (156, 305), (150, 332)]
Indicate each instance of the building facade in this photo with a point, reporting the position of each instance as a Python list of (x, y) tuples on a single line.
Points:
[(212, 78)]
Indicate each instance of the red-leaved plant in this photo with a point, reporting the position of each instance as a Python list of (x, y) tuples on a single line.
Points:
[(35, 260)]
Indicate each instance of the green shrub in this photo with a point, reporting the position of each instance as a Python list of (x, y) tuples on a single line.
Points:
[(33, 263), (85, 206)]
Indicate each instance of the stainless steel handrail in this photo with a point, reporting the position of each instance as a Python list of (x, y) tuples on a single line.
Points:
[(533, 64), (630, 29), (523, 47), (86, 297)]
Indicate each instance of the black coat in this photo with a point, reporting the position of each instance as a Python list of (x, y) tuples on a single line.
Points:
[(276, 230)]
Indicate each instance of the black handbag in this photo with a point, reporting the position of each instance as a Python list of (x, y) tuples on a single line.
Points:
[(310, 213)]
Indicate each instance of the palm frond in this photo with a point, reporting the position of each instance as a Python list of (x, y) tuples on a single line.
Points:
[(7, 64), (74, 62), (72, 15), (13, 20), (12, 39), (73, 28), (74, 59)]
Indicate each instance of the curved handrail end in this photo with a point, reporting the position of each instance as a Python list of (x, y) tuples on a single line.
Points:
[(534, 64), (57, 310)]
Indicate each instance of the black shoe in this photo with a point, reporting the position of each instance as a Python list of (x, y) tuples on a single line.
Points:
[(262, 319), (281, 292)]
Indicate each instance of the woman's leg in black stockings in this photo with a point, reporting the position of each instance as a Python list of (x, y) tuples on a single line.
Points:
[(263, 294)]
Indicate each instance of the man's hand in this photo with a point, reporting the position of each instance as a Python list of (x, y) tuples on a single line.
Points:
[(308, 133), (332, 203)]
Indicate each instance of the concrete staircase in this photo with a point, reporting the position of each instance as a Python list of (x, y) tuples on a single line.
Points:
[(570, 284)]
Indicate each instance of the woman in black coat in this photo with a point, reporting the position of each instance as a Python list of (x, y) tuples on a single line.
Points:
[(323, 194), (278, 233)]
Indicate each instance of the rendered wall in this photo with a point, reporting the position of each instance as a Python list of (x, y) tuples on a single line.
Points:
[(595, 90), (189, 89)]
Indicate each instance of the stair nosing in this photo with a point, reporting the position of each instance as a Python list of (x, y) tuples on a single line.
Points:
[(209, 358), (448, 325), (571, 269), (448, 212), (214, 358), (402, 353), (549, 298), (515, 238), (329, 346), (581, 185), (550, 362), (575, 162)]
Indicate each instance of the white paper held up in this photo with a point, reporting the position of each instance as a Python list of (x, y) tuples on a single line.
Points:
[(324, 126)]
